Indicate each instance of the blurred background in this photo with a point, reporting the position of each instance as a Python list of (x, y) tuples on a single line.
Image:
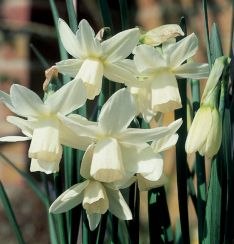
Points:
[(28, 23)]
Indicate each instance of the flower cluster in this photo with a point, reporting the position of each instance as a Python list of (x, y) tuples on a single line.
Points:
[(115, 154)]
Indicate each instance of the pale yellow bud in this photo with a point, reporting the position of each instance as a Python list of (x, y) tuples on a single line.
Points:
[(205, 133), (161, 34)]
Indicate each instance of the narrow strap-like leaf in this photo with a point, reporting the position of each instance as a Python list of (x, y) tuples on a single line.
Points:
[(123, 5), (216, 49), (62, 51), (106, 13), (71, 15), (10, 214), (206, 24)]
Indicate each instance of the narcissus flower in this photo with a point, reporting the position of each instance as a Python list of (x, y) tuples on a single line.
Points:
[(42, 125), (159, 68), (117, 151), (205, 133), (161, 34), (96, 198), (93, 58)]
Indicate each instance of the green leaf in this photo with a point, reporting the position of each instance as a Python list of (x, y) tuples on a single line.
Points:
[(62, 51), (206, 24), (216, 50), (229, 163), (10, 214), (123, 5), (71, 15), (106, 13)]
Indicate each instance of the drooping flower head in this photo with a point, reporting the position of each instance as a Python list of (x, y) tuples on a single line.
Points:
[(96, 197), (159, 68), (205, 133), (94, 59), (118, 151), (41, 124)]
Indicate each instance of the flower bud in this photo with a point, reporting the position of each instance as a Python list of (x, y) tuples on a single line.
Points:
[(205, 133), (161, 34)]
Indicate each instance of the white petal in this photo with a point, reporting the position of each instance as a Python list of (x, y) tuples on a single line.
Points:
[(6, 99), (192, 70), (25, 125), (69, 67), (44, 166), (165, 96), (122, 184), (148, 59), (121, 72), (89, 45), (45, 144), (107, 165), (121, 45), (68, 98), (91, 73), (68, 39), (86, 162), (182, 50), (138, 159), (71, 139), (118, 112), (146, 185), (157, 171), (94, 220), (117, 205), (25, 101), (14, 138), (164, 143), (95, 198), (69, 199), (135, 135), (81, 127)]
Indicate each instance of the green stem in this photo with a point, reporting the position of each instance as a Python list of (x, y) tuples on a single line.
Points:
[(102, 229), (181, 164), (60, 218)]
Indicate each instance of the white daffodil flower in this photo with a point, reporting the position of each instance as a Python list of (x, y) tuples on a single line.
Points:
[(120, 152), (94, 59), (96, 197), (161, 66), (205, 133), (43, 125), (147, 181), (161, 34)]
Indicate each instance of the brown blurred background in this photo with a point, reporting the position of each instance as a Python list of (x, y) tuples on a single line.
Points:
[(28, 22)]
